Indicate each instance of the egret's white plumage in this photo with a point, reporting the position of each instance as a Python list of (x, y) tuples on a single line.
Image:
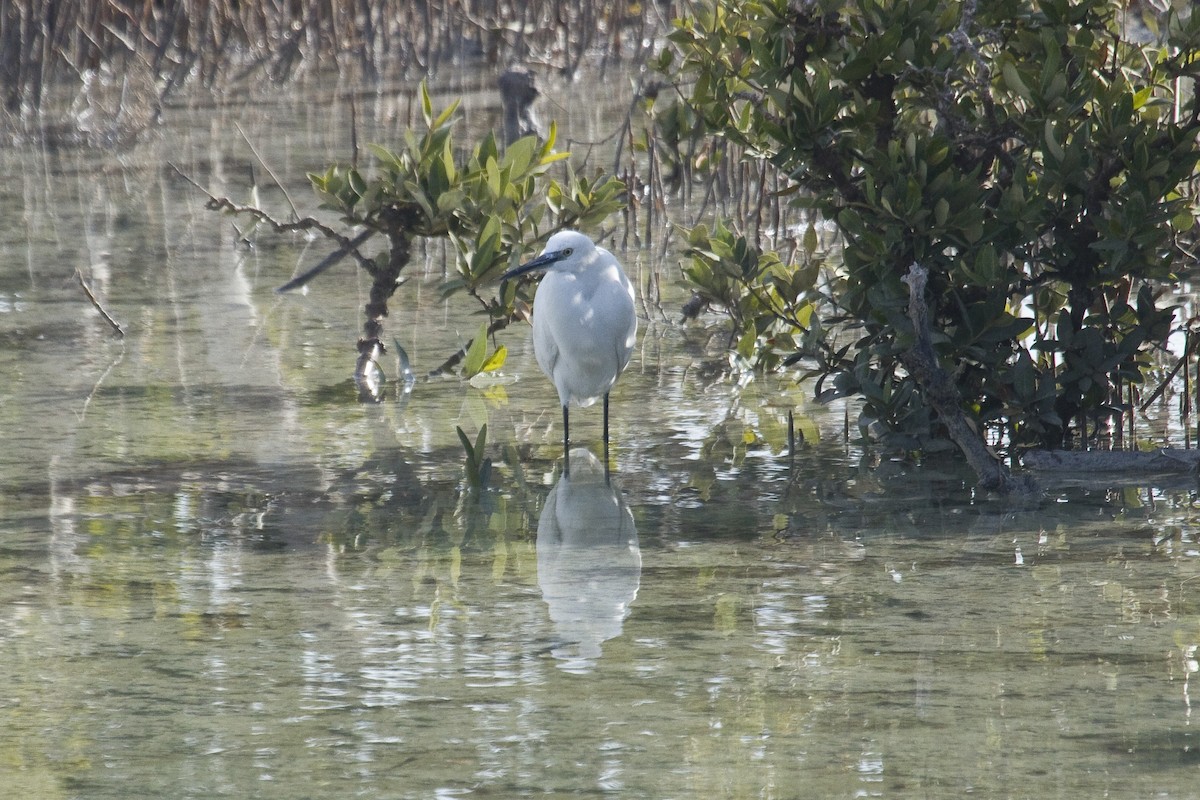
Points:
[(583, 322)]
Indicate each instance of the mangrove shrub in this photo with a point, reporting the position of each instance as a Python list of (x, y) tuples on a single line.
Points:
[(1035, 157)]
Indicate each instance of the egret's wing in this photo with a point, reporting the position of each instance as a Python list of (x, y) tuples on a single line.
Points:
[(616, 303), (545, 348)]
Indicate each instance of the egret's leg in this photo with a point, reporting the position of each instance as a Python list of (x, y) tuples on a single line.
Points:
[(566, 443), (606, 437)]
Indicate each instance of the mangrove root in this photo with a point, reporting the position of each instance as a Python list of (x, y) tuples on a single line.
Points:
[(942, 395)]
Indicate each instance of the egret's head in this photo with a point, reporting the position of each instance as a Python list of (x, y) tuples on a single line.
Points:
[(566, 250)]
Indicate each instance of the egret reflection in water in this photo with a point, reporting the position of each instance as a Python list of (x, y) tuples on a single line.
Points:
[(589, 562)]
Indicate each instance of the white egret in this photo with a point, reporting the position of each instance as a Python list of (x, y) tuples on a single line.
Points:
[(583, 323)]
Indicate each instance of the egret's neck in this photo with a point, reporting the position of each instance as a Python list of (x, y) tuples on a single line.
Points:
[(594, 264)]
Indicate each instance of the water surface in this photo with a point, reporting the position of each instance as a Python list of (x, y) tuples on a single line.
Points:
[(224, 575)]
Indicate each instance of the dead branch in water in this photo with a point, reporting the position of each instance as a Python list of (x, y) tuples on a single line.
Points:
[(385, 276), (1163, 468), (96, 304), (1131, 462)]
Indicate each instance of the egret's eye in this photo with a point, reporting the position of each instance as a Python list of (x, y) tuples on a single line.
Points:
[(568, 251)]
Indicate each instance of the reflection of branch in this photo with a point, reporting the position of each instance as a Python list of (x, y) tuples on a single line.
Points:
[(96, 386), (326, 263), (96, 304)]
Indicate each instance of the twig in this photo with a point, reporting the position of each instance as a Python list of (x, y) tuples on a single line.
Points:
[(271, 172), (326, 263), (96, 304), (303, 224)]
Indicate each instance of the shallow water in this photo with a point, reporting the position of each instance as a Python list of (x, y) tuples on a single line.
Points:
[(223, 575)]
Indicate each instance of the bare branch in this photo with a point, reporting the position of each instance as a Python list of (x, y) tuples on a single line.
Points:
[(326, 263), (271, 172), (346, 245), (96, 304)]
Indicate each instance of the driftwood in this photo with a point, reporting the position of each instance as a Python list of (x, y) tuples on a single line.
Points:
[(1165, 468), (1135, 464), (940, 392)]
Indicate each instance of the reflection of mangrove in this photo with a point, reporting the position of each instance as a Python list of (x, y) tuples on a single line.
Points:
[(589, 562)]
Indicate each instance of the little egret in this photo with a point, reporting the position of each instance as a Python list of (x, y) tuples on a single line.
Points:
[(583, 323)]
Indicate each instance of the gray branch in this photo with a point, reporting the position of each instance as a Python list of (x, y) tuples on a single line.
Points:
[(940, 392)]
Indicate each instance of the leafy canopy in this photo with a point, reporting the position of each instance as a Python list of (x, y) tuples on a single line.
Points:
[(490, 204), (1032, 155)]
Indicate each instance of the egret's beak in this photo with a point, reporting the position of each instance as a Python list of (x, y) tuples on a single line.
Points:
[(539, 264)]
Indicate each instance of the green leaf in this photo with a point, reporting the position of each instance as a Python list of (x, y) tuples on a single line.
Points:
[(426, 105), (941, 210), (451, 200), (492, 176), (746, 344), (858, 68), (810, 239), (519, 156), (445, 115), (481, 441), (477, 467), (1013, 80), (1052, 144), (476, 352), (385, 156), (466, 443), (448, 165)]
